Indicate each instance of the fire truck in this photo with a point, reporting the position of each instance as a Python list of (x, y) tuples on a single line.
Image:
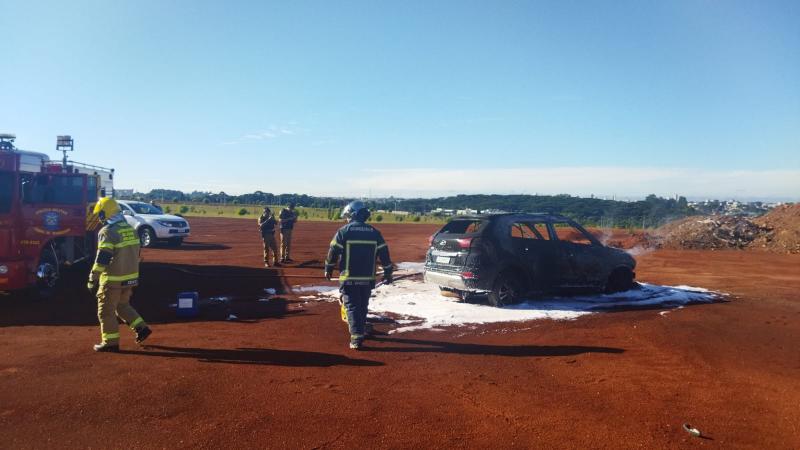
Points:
[(45, 224)]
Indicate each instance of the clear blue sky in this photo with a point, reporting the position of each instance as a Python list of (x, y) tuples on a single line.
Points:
[(700, 98)]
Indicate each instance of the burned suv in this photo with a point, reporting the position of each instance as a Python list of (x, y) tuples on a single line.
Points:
[(509, 256)]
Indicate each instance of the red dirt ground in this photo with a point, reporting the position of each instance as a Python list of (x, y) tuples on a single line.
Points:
[(283, 377)]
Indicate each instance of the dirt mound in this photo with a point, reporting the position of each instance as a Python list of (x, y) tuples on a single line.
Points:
[(710, 233), (784, 221)]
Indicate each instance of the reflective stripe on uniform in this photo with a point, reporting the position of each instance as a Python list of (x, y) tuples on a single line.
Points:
[(381, 246), (336, 244), (127, 243), (107, 245), (110, 336), (137, 322), (131, 276), (99, 268)]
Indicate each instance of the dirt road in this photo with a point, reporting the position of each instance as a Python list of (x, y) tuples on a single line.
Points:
[(283, 377)]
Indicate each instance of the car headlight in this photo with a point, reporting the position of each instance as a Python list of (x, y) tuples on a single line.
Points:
[(3, 269), (164, 223)]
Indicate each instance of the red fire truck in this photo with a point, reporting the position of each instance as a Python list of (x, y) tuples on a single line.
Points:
[(44, 221)]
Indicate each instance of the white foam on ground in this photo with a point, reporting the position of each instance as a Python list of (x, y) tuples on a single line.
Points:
[(315, 289), (421, 306), (411, 266)]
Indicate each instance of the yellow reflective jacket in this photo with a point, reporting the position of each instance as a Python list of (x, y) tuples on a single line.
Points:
[(117, 255)]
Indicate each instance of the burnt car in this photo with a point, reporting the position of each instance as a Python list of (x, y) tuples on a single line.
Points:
[(510, 256)]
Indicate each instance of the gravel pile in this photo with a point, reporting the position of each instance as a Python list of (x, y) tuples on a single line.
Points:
[(711, 233)]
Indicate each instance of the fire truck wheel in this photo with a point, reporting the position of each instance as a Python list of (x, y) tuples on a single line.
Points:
[(147, 236)]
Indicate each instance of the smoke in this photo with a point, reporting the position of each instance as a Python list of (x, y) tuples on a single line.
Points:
[(640, 250)]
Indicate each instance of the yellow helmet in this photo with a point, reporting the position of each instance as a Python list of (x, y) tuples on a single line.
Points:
[(105, 208)]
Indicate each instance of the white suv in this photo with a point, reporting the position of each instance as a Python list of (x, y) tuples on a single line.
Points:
[(152, 224)]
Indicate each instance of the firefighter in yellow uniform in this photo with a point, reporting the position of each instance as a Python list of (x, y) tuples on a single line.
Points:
[(116, 268)]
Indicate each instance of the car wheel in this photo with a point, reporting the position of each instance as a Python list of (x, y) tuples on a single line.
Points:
[(147, 237), (175, 242), (620, 280), (507, 290)]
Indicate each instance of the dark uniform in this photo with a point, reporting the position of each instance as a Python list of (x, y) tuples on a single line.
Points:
[(287, 218), (356, 247), (267, 225)]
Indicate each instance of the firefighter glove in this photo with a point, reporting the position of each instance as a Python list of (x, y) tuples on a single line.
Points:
[(328, 274), (92, 284)]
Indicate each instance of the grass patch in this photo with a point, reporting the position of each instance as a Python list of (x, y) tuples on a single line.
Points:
[(252, 212)]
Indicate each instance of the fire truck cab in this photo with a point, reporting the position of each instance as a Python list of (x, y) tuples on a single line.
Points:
[(44, 209)]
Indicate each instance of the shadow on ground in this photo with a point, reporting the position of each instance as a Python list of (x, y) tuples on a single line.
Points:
[(425, 346), (191, 246), (258, 356), (243, 290)]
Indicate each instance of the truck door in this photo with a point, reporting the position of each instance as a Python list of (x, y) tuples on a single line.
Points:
[(53, 206)]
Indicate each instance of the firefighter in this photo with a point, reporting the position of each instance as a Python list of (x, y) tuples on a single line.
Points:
[(287, 218), (115, 273), (266, 223), (357, 244)]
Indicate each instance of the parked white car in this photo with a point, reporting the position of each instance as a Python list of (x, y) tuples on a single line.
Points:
[(153, 225)]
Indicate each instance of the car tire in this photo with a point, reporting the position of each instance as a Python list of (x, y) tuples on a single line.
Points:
[(147, 237), (620, 280), (507, 290), (175, 242)]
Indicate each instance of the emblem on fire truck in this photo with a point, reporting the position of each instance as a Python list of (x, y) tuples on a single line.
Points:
[(51, 221)]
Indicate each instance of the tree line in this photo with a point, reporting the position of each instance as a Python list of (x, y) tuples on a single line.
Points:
[(650, 212)]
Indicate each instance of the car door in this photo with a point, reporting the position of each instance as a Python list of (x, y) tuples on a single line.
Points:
[(531, 242), (580, 255)]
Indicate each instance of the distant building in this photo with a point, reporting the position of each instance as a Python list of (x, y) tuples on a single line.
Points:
[(442, 212)]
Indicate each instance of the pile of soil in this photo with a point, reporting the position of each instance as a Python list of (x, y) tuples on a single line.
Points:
[(710, 233), (784, 221)]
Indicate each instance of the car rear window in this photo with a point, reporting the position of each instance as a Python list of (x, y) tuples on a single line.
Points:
[(463, 227), (6, 187)]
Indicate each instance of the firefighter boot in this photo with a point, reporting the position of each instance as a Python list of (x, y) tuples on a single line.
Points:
[(142, 333), (356, 341), (106, 347)]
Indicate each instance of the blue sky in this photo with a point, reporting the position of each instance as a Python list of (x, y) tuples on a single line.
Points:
[(411, 98)]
